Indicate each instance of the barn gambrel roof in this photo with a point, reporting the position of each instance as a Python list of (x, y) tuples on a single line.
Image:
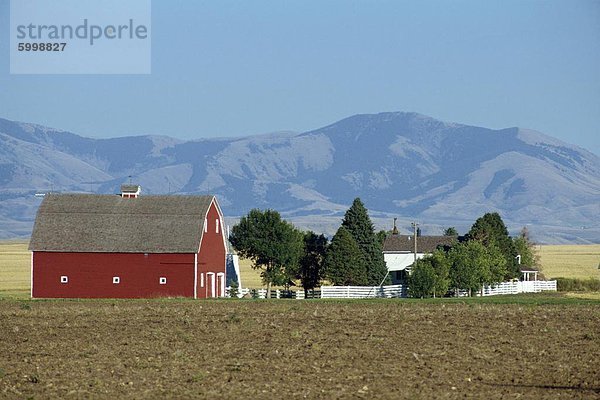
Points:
[(110, 223)]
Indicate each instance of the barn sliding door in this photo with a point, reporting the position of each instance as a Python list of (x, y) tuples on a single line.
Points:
[(221, 284), (210, 285)]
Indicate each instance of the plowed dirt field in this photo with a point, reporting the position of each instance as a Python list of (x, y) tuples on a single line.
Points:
[(298, 349)]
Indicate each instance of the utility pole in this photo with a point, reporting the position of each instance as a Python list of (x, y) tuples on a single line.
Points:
[(415, 225)]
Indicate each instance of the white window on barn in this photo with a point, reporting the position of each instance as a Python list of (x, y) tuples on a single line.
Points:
[(64, 279), (205, 225), (217, 225), (116, 280), (202, 279), (162, 280)]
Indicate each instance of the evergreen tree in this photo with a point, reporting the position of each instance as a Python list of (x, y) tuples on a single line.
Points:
[(344, 263), (491, 231), (311, 263), (357, 222), (273, 245)]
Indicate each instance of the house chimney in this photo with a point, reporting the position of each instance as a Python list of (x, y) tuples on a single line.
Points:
[(395, 230), (130, 191)]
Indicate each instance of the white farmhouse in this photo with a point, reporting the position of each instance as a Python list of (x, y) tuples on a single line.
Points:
[(399, 252)]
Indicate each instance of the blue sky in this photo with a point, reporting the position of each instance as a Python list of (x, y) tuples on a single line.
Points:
[(233, 68)]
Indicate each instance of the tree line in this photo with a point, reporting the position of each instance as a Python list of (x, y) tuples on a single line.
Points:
[(285, 255), (486, 255)]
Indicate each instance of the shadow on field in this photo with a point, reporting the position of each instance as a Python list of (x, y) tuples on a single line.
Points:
[(579, 388)]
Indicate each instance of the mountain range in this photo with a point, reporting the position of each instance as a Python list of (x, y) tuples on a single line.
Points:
[(400, 164)]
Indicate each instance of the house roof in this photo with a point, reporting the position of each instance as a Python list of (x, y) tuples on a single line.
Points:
[(130, 188), (526, 268), (110, 223), (425, 244)]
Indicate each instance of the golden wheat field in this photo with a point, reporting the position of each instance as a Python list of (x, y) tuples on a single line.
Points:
[(15, 266), (569, 261)]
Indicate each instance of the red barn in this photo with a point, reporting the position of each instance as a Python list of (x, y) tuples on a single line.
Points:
[(128, 246)]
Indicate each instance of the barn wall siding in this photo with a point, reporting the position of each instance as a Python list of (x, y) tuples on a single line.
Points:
[(90, 275), (212, 257)]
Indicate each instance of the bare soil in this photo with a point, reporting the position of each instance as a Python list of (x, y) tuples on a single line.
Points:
[(297, 349)]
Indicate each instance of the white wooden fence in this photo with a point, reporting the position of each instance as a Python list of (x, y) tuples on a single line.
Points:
[(362, 292), (332, 292), (519, 287), (389, 291), (262, 293)]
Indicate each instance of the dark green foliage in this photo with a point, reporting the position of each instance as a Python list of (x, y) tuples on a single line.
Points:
[(451, 231), (491, 231), (273, 245), (357, 222), (311, 270), (577, 285), (344, 263), (421, 282), (381, 236)]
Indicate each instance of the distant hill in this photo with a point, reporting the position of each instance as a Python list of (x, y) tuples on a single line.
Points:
[(400, 164)]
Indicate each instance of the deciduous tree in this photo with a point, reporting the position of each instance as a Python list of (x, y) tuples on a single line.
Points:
[(273, 245), (441, 266), (421, 282), (473, 265), (437, 266), (311, 269)]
